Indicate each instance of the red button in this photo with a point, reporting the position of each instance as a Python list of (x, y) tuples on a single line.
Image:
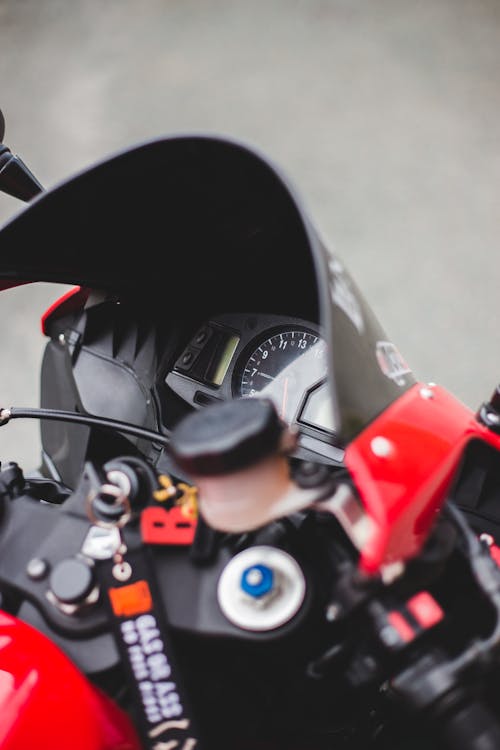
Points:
[(161, 526), (425, 609)]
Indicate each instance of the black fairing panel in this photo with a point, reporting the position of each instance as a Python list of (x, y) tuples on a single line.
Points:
[(100, 361), (192, 225), (169, 222), (367, 371), (64, 445)]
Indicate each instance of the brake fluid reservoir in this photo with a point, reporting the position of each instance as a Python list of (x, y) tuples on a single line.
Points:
[(236, 454)]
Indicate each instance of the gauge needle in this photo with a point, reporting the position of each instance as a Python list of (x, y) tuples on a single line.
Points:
[(284, 400)]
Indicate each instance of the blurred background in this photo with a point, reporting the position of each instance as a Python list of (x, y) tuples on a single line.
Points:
[(384, 113)]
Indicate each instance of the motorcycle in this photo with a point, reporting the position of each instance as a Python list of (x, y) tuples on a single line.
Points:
[(251, 527)]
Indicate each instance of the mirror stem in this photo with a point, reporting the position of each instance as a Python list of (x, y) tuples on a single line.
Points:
[(15, 177)]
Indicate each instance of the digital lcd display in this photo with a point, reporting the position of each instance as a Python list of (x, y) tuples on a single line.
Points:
[(225, 351)]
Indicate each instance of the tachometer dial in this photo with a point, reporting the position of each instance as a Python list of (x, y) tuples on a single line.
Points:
[(284, 366)]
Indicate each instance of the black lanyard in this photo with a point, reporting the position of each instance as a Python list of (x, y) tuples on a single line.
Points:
[(143, 640)]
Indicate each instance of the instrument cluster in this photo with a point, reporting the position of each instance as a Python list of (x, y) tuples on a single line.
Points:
[(238, 355)]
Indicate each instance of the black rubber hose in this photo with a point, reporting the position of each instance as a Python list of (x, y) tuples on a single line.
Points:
[(69, 416)]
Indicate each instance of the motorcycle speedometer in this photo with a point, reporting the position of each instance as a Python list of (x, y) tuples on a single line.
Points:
[(284, 366)]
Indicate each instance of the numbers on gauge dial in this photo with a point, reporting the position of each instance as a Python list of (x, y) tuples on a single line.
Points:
[(284, 367)]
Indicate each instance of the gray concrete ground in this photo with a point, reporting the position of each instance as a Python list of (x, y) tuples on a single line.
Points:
[(385, 114)]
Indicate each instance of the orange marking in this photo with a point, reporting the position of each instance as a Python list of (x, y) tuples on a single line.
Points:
[(134, 599)]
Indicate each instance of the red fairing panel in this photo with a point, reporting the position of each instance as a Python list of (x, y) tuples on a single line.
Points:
[(403, 464), (47, 704), (72, 300)]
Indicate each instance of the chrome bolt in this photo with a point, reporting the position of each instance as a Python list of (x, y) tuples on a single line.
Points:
[(37, 569), (254, 577)]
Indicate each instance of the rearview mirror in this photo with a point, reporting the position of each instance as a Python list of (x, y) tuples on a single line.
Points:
[(15, 177)]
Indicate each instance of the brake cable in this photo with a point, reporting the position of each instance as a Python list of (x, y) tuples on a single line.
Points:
[(116, 425)]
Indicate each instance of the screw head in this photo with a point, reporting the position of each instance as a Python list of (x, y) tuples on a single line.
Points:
[(381, 447)]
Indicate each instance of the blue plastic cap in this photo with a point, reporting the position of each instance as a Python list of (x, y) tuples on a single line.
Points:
[(257, 580)]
